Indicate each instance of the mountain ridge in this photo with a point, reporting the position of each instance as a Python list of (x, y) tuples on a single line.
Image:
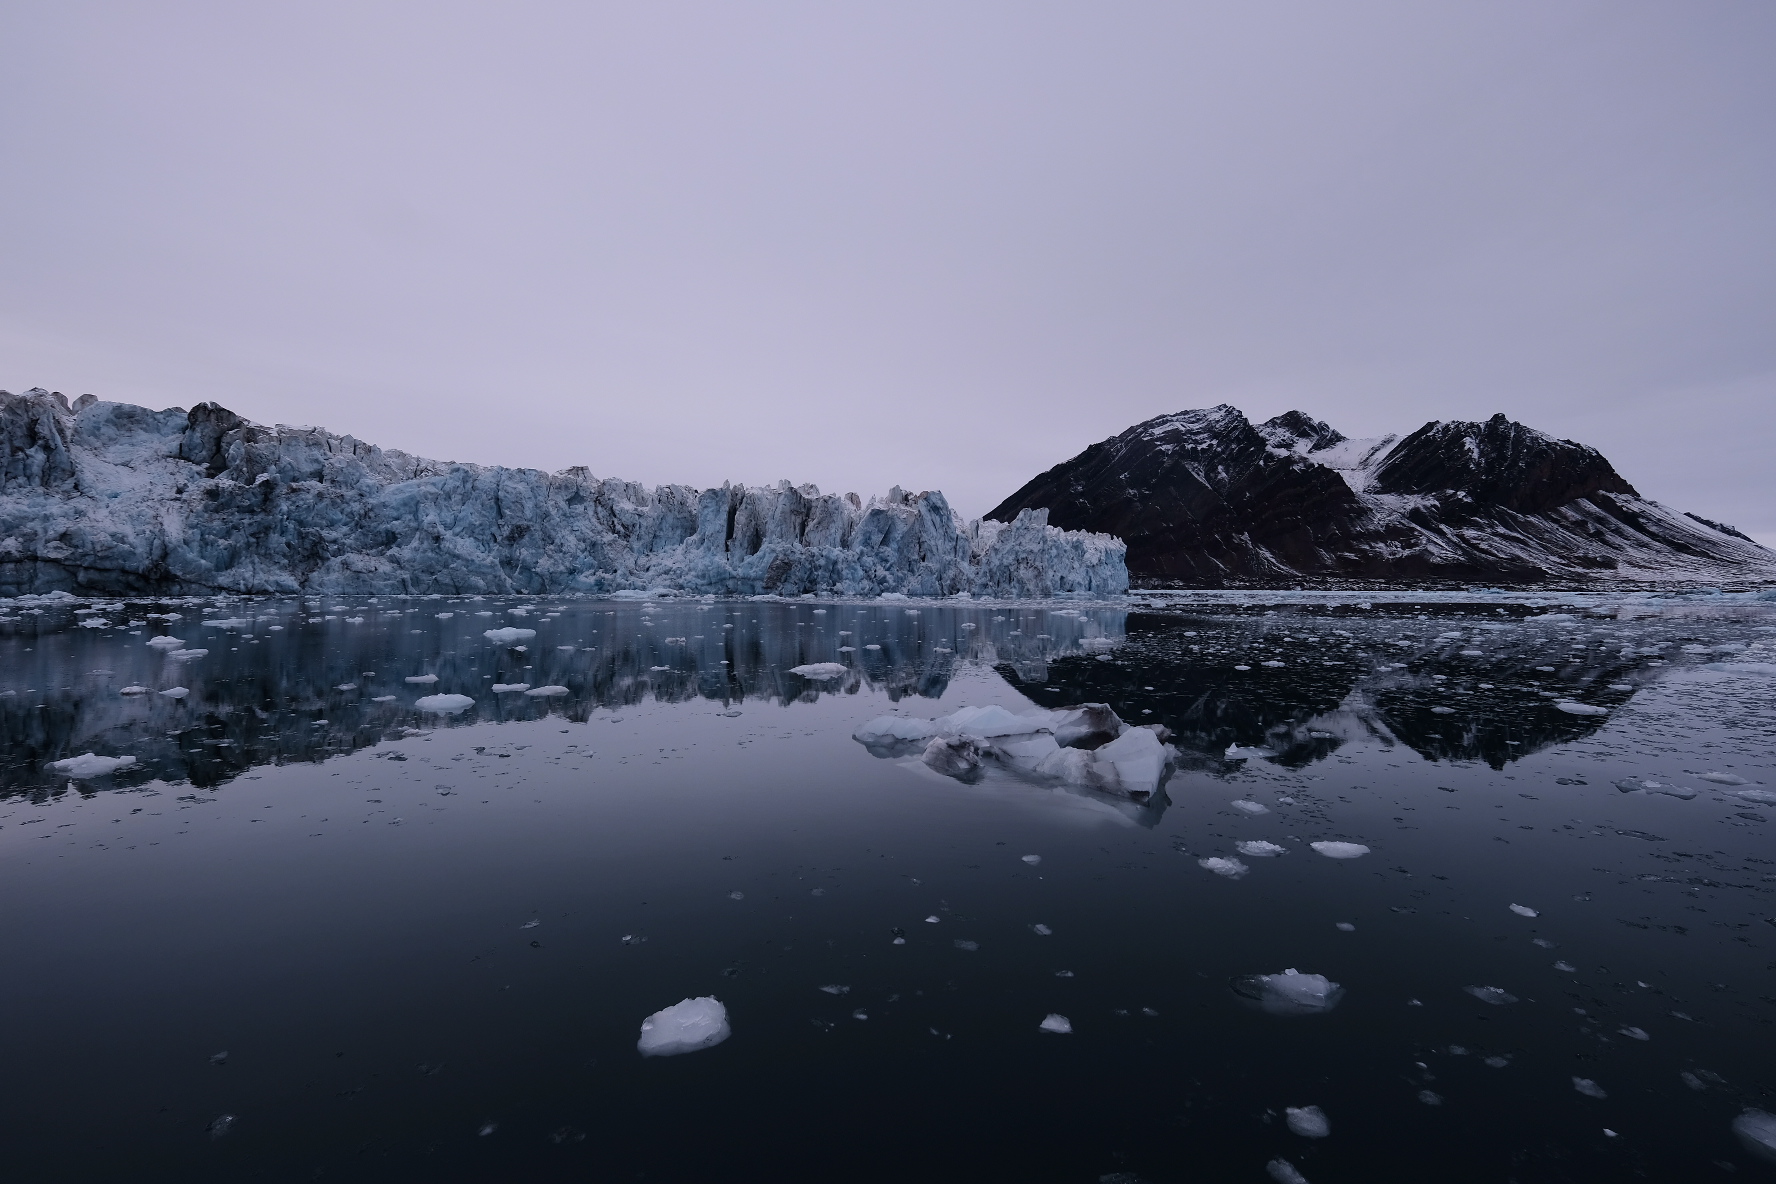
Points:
[(1207, 497)]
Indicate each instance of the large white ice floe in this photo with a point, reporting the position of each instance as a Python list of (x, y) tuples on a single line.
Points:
[(1289, 993), (88, 765), (1085, 746), (690, 1025), (444, 704), (819, 671), (115, 497), (1284, 1172), (1310, 1122), (508, 635)]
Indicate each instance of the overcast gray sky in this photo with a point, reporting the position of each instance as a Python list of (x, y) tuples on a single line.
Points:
[(943, 245)]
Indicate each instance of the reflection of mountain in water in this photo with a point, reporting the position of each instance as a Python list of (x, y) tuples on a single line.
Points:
[(1339, 678), (282, 684)]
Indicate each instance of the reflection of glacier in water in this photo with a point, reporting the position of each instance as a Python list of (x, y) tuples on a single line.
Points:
[(279, 683)]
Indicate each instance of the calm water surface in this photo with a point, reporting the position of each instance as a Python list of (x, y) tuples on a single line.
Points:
[(425, 943)]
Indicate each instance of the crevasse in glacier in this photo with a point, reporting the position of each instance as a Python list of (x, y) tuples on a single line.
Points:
[(114, 498)]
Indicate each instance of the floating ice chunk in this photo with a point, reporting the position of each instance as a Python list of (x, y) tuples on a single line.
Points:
[(1523, 910), (687, 1026), (1284, 1172), (444, 704), (1756, 1131), (175, 692), (836, 989), (1242, 667), (346, 686), (984, 723), (887, 730), (1442, 711), (1249, 807), (1565, 967), (1724, 778), (1497, 996), (133, 691), (88, 765), (186, 655), (932, 920), (1289, 993), (508, 635), (1335, 850), (962, 943), (383, 699), (1041, 930), (1233, 869), (1634, 1033), (546, 692), (422, 679), (1131, 764), (1236, 752), (1259, 849), (1762, 797), (1430, 1097), (166, 643), (953, 756), (1589, 1088), (1310, 1122), (1025, 753), (1032, 860), (820, 671), (1574, 707), (500, 688), (1056, 1023), (1345, 927)]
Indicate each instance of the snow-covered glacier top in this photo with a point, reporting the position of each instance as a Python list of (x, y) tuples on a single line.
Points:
[(112, 498)]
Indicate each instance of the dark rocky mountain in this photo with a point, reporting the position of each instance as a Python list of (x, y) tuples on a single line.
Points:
[(1208, 498)]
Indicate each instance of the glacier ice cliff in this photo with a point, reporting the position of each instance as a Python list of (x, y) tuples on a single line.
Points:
[(111, 498)]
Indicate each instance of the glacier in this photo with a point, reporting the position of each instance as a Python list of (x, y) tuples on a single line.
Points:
[(110, 498)]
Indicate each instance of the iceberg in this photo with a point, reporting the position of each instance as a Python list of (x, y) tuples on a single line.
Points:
[(690, 1025), (122, 499)]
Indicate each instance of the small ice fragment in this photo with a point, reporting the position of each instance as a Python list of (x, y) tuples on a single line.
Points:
[(1589, 1088), (1442, 711), (346, 686), (1250, 807), (508, 635), (819, 671), (932, 920), (165, 643), (422, 678), (1346, 927), (1063, 974), (687, 1026), (1233, 869), (963, 943), (1259, 849), (133, 691), (1724, 778), (836, 989), (175, 692), (1430, 1098), (89, 765), (444, 704), (1523, 910), (531, 924), (1335, 850), (1283, 1172), (1242, 667), (1456, 1050), (1032, 860), (1041, 930), (220, 1058), (1289, 993), (1496, 1062), (1059, 1024), (1635, 1033), (1762, 797), (1543, 942), (500, 688), (1272, 662), (383, 699), (487, 1128), (546, 692), (860, 1014), (1309, 1122), (1497, 996), (1756, 1131), (1573, 707), (1565, 967), (225, 1123)]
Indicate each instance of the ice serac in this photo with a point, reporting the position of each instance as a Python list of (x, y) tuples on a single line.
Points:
[(1208, 498), (115, 499)]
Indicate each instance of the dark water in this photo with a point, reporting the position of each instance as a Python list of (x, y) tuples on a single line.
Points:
[(340, 894)]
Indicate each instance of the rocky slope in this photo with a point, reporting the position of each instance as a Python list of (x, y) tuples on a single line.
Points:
[(110, 498), (1208, 498)]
